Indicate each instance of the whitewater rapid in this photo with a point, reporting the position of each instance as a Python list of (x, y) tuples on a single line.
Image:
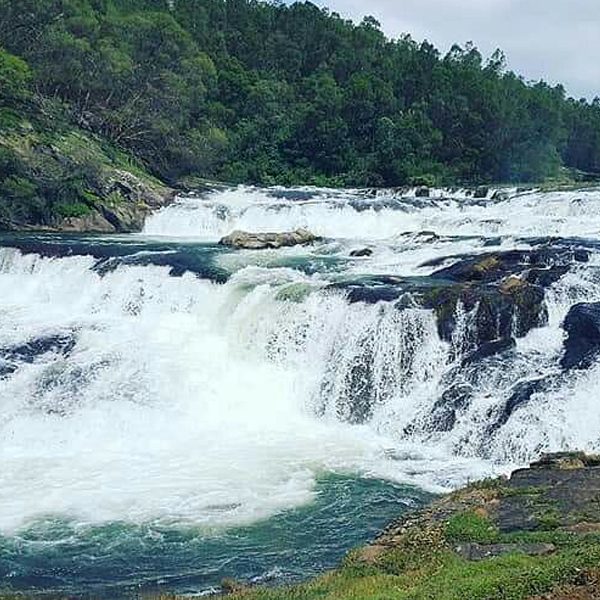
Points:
[(181, 401), (384, 215), (187, 400)]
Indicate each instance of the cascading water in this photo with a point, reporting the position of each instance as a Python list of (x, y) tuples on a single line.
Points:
[(159, 390)]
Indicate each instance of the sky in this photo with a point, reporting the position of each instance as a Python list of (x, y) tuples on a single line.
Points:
[(555, 40)]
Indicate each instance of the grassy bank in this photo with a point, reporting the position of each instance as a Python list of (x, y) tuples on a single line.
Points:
[(496, 540)]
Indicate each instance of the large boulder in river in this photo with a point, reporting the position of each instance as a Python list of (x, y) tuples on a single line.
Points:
[(582, 346), (362, 253), (497, 311), (543, 265), (262, 241)]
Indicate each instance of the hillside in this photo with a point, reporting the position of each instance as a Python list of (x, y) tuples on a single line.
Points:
[(256, 92)]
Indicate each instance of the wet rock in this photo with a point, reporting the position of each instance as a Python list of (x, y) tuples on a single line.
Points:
[(363, 252), (547, 276), (551, 255), (582, 256), (495, 314), (501, 195), (582, 346), (476, 552), (481, 192), (520, 395), (28, 352), (543, 265), (373, 295), (426, 236), (488, 349), (482, 268), (422, 192), (6, 369), (505, 288), (374, 289), (445, 411), (261, 241), (12, 357), (499, 296)]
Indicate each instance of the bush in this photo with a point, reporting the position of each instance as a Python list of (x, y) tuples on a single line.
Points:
[(76, 209)]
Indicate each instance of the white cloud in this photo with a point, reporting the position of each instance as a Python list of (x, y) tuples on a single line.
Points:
[(557, 40)]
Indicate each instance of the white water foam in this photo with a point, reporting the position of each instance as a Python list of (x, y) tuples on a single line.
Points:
[(352, 215), (182, 401), (188, 401)]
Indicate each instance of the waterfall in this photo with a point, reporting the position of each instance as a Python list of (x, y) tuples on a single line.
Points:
[(133, 394), (362, 215)]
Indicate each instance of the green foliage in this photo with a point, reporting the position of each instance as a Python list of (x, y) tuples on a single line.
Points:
[(277, 93), (18, 188), (74, 209), (548, 519), (15, 78)]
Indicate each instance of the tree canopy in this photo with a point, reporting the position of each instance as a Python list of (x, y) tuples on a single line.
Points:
[(265, 92)]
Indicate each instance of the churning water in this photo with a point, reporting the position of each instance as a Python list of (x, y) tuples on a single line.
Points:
[(173, 412)]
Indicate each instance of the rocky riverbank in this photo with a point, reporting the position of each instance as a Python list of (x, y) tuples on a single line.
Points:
[(533, 536)]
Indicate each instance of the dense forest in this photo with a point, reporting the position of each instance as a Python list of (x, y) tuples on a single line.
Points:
[(263, 92)]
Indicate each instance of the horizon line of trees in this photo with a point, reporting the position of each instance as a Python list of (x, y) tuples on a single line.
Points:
[(269, 93)]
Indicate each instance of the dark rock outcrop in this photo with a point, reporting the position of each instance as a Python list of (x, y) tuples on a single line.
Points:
[(262, 241), (445, 411), (582, 346), (11, 357), (363, 252), (122, 203), (496, 312), (487, 349), (62, 343), (558, 493), (520, 395), (482, 305), (545, 263)]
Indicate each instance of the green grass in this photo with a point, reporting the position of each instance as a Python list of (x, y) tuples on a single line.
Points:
[(422, 565), (471, 527), (444, 576)]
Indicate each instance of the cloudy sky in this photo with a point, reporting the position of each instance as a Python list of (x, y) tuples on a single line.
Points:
[(557, 40)]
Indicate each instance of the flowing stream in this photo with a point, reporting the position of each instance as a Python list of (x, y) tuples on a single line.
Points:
[(174, 412)]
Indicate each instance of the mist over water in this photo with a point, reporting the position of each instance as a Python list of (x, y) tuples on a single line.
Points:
[(160, 381)]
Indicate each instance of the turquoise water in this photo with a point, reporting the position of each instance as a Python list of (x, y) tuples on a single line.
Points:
[(54, 557)]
